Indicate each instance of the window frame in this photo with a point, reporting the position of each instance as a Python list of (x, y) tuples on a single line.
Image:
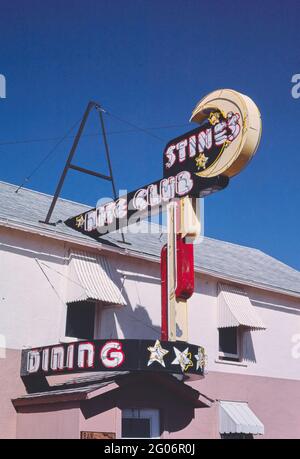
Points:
[(98, 318), (152, 414), (67, 327), (238, 357)]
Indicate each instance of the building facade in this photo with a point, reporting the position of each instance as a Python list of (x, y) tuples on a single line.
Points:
[(58, 286)]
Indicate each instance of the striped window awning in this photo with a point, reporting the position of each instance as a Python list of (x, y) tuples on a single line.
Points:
[(90, 278), (238, 418), (235, 309)]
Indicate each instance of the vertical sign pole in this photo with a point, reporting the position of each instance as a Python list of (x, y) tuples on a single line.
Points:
[(171, 270), (164, 293), (177, 311), (181, 313), (177, 268), (181, 305)]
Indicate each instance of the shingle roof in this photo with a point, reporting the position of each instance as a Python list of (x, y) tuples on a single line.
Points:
[(224, 259)]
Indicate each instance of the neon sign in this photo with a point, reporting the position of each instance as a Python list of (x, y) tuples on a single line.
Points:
[(111, 355), (196, 164)]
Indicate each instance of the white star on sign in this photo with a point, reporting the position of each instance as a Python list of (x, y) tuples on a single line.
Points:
[(183, 359), (157, 354)]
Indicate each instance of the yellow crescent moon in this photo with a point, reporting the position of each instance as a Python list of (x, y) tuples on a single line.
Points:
[(235, 156)]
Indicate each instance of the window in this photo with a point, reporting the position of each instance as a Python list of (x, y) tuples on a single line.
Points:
[(80, 320), (140, 423), (229, 343)]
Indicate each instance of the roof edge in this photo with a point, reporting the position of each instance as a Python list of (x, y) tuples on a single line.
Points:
[(45, 194)]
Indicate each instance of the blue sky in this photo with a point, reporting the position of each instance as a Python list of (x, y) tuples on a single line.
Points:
[(149, 62)]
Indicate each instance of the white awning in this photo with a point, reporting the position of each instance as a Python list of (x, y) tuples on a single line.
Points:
[(237, 417), (90, 277), (235, 309)]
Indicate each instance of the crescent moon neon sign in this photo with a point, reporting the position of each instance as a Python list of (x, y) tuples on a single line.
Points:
[(228, 137)]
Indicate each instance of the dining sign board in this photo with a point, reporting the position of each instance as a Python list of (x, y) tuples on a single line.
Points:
[(196, 164), (176, 357)]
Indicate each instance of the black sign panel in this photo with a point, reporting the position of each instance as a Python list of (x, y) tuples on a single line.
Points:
[(199, 151), (130, 208), (114, 355), (184, 151), (185, 158)]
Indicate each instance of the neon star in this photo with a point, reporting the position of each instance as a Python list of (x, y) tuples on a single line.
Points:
[(79, 221), (201, 161), (157, 354), (200, 357), (183, 359), (214, 118)]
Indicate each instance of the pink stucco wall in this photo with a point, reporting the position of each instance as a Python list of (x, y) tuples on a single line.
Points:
[(34, 314), (103, 413), (54, 421), (274, 401), (11, 386), (37, 316)]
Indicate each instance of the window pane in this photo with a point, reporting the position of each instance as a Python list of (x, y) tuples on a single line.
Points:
[(140, 423), (135, 428), (80, 320), (228, 340)]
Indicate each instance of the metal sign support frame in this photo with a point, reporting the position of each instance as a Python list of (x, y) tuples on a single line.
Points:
[(70, 165)]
